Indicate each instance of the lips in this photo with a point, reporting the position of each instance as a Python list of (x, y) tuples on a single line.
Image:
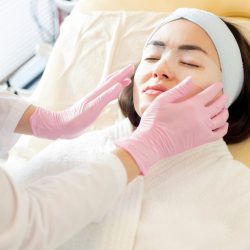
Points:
[(154, 90)]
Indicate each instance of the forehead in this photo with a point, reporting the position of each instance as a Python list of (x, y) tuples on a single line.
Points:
[(182, 31)]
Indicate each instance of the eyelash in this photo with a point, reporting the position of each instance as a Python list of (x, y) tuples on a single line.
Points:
[(184, 63), (151, 59), (190, 64)]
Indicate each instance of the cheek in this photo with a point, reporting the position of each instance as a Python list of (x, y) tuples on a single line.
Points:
[(136, 97), (138, 78), (143, 72), (142, 75), (209, 75), (202, 80)]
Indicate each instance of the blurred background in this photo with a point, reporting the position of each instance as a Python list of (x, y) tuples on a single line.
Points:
[(28, 31)]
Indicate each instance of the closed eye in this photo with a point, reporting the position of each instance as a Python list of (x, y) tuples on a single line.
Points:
[(191, 65), (151, 59)]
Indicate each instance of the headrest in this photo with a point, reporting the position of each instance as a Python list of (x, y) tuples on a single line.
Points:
[(230, 8)]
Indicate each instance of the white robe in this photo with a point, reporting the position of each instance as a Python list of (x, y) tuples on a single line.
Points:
[(12, 108), (38, 216), (199, 199)]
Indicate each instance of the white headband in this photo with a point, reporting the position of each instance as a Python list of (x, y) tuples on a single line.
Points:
[(225, 43)]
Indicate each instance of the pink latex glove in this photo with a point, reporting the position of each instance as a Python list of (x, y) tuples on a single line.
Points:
[(72, 121), (169, 127)]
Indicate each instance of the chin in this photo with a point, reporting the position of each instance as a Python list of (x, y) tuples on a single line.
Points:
[(142, 109), (142, 104)]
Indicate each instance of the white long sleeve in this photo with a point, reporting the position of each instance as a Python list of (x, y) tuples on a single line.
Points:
[(12, 108), (50, 211)]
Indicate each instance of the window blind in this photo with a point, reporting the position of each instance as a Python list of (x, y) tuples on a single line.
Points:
[(19, 33)]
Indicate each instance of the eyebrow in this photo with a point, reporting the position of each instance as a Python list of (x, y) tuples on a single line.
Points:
[(181, 47), (156, 43)]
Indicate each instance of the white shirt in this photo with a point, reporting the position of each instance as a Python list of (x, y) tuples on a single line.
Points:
[(12, 108), (51, 210)]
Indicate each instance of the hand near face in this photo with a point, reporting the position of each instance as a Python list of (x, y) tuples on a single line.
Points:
[(72, 121), (169, 126), (177, 50)]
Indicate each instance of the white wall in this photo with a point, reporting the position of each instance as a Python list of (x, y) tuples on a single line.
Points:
[(18, 32)]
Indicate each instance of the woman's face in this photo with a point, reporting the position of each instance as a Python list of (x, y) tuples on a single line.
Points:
[(177, 50)]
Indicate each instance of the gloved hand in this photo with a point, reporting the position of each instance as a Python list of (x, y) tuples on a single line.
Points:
[(169, 127), (72, 121)]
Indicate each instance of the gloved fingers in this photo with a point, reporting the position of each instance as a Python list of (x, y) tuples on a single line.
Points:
[(117, 72), (218, 105), (208, 94), (107, 96), (219, 120), (220, 132), (181, 90), (116, 77)]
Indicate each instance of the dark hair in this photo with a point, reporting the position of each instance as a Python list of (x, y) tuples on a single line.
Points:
[(239, 111)]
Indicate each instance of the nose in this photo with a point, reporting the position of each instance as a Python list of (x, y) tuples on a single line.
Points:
[(162, 71)]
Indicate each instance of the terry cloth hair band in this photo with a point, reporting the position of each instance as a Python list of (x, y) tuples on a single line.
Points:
[(225, 43)]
